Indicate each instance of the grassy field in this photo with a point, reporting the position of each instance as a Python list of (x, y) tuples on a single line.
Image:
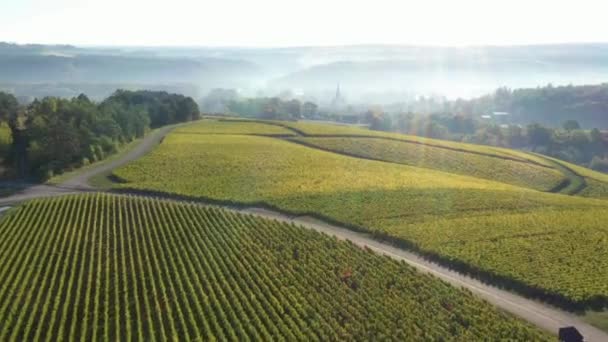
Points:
[(518, 237), (110, 267), (482, 166)]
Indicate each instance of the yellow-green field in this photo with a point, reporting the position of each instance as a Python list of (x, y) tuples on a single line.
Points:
[(477, 165), (534, 241), (316, 129), (234, 127), (556, 175), (596, 183)]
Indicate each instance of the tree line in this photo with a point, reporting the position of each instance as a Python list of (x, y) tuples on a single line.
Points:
[(549, 105), (569, 142), (54, 134), (227, 101)]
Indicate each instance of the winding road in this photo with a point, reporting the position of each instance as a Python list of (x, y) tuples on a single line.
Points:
[(80, 182), (537, 313)]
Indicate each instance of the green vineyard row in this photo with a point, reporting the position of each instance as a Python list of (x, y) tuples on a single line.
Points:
[(108, 267)]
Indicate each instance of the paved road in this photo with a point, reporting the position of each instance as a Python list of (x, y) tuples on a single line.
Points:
[(539, 314), (80, 183)]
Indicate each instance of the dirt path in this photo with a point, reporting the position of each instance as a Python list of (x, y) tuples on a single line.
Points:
[(145, 146), (80, 183), (537, 313)]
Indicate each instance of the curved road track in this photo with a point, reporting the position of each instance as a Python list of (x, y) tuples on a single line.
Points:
[(537, 313), (80, 182)]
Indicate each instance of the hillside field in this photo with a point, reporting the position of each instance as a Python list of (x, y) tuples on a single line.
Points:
[(504, 165), (512, 235), (110, 267), (490, 167)]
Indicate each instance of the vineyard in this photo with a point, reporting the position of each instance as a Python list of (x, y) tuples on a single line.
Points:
[(234, 127), (481, 166), (254, 168), (532, 168), (327, 130), (96, 266), (596, 182), (506, 233), (564, 252)]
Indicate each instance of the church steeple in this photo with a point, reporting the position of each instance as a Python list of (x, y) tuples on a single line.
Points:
[(338, 102)]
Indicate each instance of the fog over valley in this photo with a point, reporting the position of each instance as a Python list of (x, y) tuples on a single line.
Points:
[(367, 74)]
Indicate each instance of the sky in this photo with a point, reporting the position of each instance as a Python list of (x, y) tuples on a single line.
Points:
[(274, 23)]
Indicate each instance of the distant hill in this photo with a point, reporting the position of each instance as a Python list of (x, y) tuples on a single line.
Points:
[(65, 66), (367, 73), (16, 49), (94, 68), (456, 72)]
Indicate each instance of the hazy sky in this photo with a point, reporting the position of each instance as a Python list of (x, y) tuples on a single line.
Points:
[(309, 22)]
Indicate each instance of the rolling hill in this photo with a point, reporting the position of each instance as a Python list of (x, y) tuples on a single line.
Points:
[(471, 219)]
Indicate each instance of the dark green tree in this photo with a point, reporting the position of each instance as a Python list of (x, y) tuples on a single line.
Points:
[(571, 125), (538, 135), (10, 113)]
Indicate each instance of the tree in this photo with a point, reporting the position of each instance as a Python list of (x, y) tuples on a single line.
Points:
[(218, 99), (271, 108), (435, 130), (571, 125), (9, 113), (515, 138), (404, 122), (8, 107), (163, 108), (579, 139), (187, 110), (599, 164), (377, 120), (538, 135), (309, 109), (294, 108), (595, 136)]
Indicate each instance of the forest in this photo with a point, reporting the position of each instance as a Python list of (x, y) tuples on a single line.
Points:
[(53, 134)]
